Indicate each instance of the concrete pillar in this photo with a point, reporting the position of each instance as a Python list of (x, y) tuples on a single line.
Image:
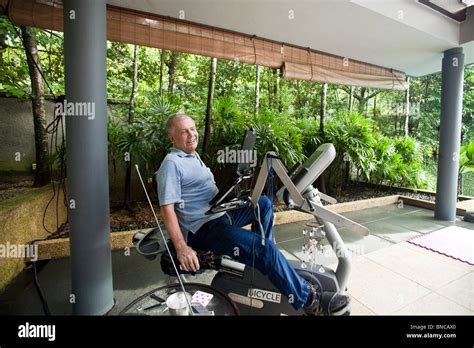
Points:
[(87, 165), (450, 134)]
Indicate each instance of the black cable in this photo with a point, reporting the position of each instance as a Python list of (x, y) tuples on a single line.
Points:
[(46, 310), (52, 129)]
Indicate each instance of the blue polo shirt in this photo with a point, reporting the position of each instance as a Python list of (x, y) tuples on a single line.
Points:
[(185, 181)]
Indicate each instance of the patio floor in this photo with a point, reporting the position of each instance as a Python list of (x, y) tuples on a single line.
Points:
[(390, 276)]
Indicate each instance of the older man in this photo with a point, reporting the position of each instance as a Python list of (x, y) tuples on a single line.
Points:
[(185, 187)]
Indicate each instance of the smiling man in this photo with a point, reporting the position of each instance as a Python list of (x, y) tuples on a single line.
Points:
[(185, 187)]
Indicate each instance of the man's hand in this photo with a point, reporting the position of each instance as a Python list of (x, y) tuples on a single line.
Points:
[(187, 257)]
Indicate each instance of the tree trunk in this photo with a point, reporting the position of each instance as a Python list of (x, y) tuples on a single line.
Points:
[(171, 72), (375, 106), (210, 96), (269, 88), (276, 100), (336, 93), (351, 99), (281, 87), (298, 95), (407, 106), (42, 173), (322, 113), (347, 171), (3, 8), (162, 65), (131, 113), (361, 99), (257, 89)]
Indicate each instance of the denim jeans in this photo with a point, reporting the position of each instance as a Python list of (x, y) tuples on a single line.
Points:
[(225, 236)]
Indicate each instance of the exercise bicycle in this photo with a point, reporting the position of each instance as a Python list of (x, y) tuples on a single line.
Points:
[(250, 290)]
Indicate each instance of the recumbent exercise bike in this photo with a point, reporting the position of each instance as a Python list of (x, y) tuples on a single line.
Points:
[(251, 290)]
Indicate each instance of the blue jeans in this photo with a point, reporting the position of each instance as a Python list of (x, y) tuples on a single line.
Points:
[(225, 236)]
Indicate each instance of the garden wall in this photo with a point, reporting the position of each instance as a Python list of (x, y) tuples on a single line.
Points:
[(21, 222), (18, 136), (18, 148)]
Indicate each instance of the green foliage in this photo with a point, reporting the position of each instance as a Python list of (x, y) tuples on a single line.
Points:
[(311, 137), (370, 147), (15, 78), (278, 132), (352, 137), (375, 157), (466, 159), (145, 139), (228, 127)]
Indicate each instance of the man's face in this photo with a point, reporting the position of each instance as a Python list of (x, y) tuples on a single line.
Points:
[(185, 136)]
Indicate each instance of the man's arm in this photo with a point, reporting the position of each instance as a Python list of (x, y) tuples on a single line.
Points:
[(187, 257)]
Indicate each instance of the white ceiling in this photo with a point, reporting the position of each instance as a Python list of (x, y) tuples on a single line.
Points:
[(399, 34)]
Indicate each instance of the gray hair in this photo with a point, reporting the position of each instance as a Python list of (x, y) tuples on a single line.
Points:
[(172, 118)]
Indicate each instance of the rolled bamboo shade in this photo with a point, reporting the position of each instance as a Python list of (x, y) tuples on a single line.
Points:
[(151, 30)]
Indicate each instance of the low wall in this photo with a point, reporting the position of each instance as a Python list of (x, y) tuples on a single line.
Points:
[(19, 153), (18, 135), (21, 221)]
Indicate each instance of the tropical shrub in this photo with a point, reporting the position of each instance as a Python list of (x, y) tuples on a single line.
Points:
[(372, 156)]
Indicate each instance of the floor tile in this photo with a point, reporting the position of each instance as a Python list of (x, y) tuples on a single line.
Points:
[(416, 223), (439, 257), (377, 213), (363, 244), (358, 308), (432, 273), (460, 291), (380, 289), (391, 231), (289, 231), (434, 304)]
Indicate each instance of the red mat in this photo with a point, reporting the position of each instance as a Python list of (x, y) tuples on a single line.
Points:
[(453, 241)]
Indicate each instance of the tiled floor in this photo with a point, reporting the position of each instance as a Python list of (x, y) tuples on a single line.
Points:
[(401, 278), (389, 275)]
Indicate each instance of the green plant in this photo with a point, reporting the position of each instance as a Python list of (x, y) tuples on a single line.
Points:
[(278, 132), (375, 157), (466, 158), (311, 137)]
